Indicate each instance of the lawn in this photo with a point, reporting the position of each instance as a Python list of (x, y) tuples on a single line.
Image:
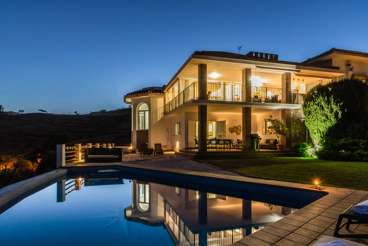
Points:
[(300, 170)]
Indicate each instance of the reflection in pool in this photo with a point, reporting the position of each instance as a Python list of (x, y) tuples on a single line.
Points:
[(113, 210)]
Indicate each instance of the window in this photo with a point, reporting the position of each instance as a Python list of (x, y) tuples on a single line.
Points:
[(177, 128), (143, 196), (143, 114)]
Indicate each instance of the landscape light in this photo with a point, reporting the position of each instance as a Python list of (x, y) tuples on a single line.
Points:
[(316, 184)]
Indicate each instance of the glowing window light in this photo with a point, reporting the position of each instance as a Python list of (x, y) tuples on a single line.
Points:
[(293, 85), (257, 81)]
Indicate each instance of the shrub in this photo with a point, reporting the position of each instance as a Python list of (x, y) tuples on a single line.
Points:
[(48, 162), (347, 149), (304, 149)]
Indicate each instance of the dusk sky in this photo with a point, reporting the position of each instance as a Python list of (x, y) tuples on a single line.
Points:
[(66, 56)]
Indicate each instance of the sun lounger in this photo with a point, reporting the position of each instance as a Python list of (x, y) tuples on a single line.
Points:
[(352, 218), (327, 240)]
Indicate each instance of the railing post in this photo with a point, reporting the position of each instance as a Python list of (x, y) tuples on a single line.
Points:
[(78, 150), (60, 155)]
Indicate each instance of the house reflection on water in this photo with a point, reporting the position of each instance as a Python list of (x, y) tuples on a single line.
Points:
[(199, 218), (191, 217)]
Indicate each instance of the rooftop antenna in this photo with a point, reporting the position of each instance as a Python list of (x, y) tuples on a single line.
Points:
[(239, 48)]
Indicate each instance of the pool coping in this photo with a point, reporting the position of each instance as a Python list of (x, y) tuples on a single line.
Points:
[(304, 227)]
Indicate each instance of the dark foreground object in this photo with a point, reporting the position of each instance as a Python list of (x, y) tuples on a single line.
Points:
[(353, 218)]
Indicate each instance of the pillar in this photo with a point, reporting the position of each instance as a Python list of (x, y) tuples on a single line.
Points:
[(246, 209), (60, 155), (286, 88), (247, 127), (286, 98), (246, 85), (60, 191), (202, 109), (202, 208)]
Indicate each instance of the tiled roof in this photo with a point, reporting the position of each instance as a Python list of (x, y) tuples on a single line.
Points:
[(348, 52), (147, 90)]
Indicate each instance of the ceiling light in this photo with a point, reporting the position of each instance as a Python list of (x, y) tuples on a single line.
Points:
[(214, 75)]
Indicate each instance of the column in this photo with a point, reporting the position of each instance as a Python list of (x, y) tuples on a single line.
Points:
[(247, 209), (286, 88), (202, 109), (246, 85), (247, 127), (286, 98), (60, 155), (202, 208)]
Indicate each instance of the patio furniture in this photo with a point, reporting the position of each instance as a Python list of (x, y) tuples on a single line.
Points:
[(158, 149), (145, 150), (239, 144), (352, 219), (328, 239), (268, 143), (103, 155)]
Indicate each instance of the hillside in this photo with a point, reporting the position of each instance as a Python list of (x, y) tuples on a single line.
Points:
[(24, 133)]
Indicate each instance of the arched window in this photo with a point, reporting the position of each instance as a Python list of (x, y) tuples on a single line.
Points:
[(143, 117), (143, 197)]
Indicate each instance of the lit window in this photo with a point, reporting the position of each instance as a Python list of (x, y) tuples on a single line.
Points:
[(177, 128), (143, 118)]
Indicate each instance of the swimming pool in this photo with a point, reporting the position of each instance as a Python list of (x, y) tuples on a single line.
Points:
[(109, 207)]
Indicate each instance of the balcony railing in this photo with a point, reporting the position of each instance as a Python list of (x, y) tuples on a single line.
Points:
[(186, 95), (266, 94)]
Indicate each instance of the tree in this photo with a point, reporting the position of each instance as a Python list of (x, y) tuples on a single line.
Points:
[(7, 162), (23, 164), (336, 115), (21, 111), (42, 111), (278, 127), (2, 111), (321, 113)]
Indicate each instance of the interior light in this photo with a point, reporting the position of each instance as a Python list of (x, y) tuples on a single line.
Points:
[(293, 85), (302, 87), (214, 75), (257, 81)]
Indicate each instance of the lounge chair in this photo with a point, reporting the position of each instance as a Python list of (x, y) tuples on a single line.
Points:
[(352, 218), (145, 150), (328, 239), (158, 149)]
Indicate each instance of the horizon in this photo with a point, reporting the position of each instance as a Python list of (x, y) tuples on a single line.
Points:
[(85, 56)]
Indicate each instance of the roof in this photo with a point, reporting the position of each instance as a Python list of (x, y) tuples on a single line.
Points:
[(147, 90), (260, 56), (347, 52)]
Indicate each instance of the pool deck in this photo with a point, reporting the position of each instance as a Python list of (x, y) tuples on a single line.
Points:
[(304, 227)]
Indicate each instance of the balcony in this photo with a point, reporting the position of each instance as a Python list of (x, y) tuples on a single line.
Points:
[(266, 94)]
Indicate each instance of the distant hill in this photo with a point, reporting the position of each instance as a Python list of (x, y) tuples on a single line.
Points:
[(24, 133)]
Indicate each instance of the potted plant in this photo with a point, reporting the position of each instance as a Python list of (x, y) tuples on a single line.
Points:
[(278, 127)]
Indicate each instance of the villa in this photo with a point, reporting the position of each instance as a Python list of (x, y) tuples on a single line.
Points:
[(224, 99)]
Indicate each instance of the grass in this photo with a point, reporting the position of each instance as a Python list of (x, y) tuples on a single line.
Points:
[(352, 175)]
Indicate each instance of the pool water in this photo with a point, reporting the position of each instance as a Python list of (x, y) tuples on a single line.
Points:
[(117, 211)]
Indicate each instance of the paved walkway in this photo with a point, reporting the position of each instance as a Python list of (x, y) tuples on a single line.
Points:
[(304, 227)]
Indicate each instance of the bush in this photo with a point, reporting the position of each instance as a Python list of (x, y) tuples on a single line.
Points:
[(48, 162), (303, 149), (347, 149), (23, 164)]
